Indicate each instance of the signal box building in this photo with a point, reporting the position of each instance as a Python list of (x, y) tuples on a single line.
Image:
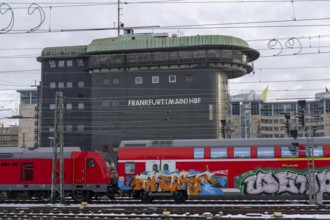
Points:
[(141, 86)]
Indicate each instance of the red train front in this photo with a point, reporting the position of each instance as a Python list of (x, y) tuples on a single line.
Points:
[(28, 172), (182, 168)]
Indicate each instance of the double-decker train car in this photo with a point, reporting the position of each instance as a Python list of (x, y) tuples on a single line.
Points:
[(187, 168), (27, 173)]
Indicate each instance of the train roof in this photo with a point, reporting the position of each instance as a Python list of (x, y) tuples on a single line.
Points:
[(40, 152), (222, 142)]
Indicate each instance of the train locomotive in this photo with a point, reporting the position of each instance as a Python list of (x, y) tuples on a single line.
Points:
[(179, 169), (27, 173)]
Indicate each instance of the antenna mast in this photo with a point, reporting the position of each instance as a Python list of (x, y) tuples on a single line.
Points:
[(118, 22)]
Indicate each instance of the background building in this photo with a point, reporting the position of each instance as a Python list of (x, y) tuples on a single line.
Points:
[(28, 135), (251, 117), (141, 86), (8, 136)]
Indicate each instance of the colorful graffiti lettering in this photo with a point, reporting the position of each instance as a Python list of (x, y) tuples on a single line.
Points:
[(194, 182), (280, 182)]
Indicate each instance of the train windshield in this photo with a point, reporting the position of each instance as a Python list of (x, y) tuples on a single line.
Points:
[(108, 160)]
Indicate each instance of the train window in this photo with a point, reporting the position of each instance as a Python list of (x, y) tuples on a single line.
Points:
[(198, 153), (5, 164), (27, 172), (90, 163), (265, 152), (242, 152), (218, 152), (130, 168), (318, 151), (286, 153)]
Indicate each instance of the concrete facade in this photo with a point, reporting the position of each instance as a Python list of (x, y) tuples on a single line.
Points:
[(141, 87)]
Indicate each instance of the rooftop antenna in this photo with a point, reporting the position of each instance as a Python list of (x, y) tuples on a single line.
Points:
[(118, 21)]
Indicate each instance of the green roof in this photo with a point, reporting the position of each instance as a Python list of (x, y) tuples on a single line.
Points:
[(65, 51), (148, 42)]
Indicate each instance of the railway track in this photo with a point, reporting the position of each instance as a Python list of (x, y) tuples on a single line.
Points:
[(69, 201), (290, 210)]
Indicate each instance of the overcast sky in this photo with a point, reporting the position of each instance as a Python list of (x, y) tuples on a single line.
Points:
[(296, 73)]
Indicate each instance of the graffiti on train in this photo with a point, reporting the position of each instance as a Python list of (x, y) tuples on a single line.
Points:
[(282, 182), (194, 182)]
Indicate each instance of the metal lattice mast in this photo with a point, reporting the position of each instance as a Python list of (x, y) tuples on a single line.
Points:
[(57, 190), (311, 169)]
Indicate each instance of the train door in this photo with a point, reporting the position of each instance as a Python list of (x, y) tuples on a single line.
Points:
[(164, 165), (79, 170)]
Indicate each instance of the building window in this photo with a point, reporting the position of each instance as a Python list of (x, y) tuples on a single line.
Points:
[(242, 152), (115, 81), (237, 57), (189, 78), (69, 63), (80, 62), (69, 85), (106, 81), (61, 63), (265, 152), (105, 103), (155, 79), (80, 127), (226, 55), (285, 152), (198, 153), (235, 109), (130, 168), (81, 106), (278, 109), (51, 128), (81, 84), (69, 106), (52, 85), (254, 108), (138, 80), (52, 63), (327, 105), (172, 78), (244, 58), (267, 110), (52, 106), (316, 108), (61, 85), (68, 128), (218, 152)]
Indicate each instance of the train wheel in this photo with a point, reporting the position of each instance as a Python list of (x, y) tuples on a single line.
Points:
[(82, 196), (111, 192), (136, 195), (111, 195), (12, 195), (179, 197), (45, 196), (145, 198)]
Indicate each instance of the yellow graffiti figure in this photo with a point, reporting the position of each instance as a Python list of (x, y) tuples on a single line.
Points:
[(160, 182)]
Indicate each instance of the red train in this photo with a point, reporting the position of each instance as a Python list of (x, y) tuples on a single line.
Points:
[(27, 173), (186, 168)]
